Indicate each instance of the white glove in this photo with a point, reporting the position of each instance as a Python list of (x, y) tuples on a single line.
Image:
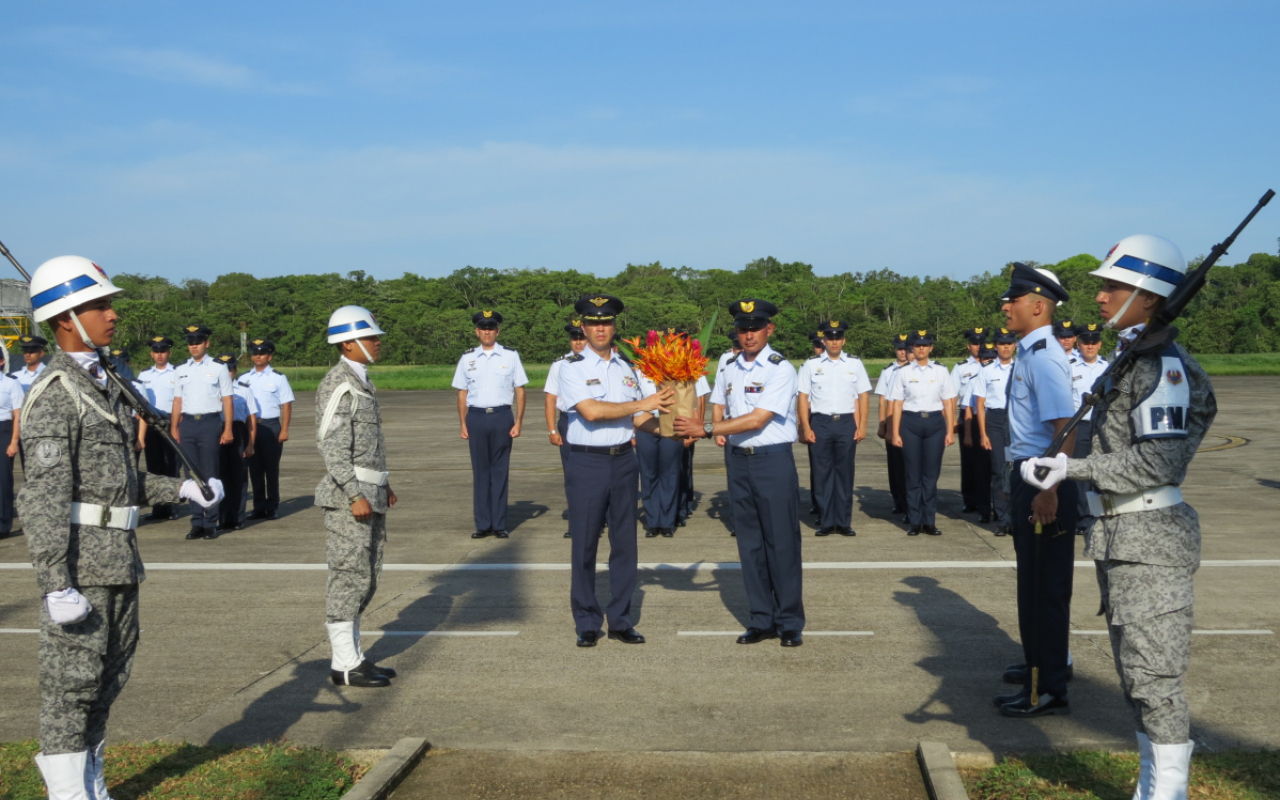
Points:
[(1057, 471), (67, 606), (191, 491)]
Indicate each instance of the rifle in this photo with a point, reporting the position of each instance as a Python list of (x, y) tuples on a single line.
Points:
[(134, 400), (1157, 332)]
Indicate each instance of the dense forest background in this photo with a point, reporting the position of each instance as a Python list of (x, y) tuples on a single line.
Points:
[(428, 320)]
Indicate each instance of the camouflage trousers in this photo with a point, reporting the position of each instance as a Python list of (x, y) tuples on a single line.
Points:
[(355, 561), (1149, 617), (84, 666)]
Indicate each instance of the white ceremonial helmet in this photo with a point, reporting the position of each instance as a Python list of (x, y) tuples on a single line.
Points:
[(1143, 262), (60, 284), (352, 322)]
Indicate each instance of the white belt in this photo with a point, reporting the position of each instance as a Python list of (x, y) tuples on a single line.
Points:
[(123, 518), (372, 476), (1105, 504)]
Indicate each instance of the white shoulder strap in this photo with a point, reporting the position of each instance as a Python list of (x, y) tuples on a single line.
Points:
[(332, 408), (78, 397)]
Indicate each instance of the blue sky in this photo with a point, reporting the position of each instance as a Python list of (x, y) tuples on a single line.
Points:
[(189, 140)]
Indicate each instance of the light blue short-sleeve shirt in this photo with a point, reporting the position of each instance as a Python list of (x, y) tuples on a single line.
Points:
[(271, 390), (489, 377), (833, 385), (1040, 393), (992, 383), (769, 382), (587, 376), (158, 386), (202, 385)]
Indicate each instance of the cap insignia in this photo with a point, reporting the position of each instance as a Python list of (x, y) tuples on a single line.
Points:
[(747, 306), (192, 328), (922, 333), (977, 330), (577, 323), (487, 314), (598, 301)]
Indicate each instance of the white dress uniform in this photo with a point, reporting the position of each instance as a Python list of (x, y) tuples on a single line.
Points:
[(833, 387), (992, 386), (893, 453), (271, 390), (490, 379), (923, 392), (201, 385), (25, 377), (963, 375)]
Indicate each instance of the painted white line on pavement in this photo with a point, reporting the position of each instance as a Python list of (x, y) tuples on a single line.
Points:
[(1206, 632), (695, 566), (19, 630), (439, 633), (806, 633)]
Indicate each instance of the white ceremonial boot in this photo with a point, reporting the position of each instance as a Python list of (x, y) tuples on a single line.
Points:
[(1172, 770), (95, 781), (64, 775), (1146, 769), (345, 667)]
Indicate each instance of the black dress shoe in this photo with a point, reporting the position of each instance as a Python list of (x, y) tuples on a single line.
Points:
[(360, 676), (792, 639), (905, 519), (931, 530), (680, 522), (1002, 530), (897, 509), (629, 636), (1048, 704), (824, 531), (195, 533), (915, 530), (847, 531), (985, 519), (650, 533), (668, 532), (1017, 697), (568, 535), (502, 534), (588, 638), (969, 509), (814, 510), (369, 666), (1017, 673), (258, 515), (480, 534), (211, 533), (755, 635), (157, 516)]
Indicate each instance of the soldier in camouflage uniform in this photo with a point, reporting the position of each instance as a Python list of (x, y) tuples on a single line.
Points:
[(355, 492), (1146, 542), (79, 506)]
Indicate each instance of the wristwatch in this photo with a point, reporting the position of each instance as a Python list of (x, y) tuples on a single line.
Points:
[(709, 429), (552, 433)]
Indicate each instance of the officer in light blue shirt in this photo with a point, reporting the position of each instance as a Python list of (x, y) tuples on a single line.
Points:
[(758, 392), (233, 458), (884, 413), (489, 379), (274, 396), (1040, 404), (202, 419), (606, 407), (981, 465), (11, 397), (971, 453), (33, 349), (158, 384), (554, 409), (991, 393)]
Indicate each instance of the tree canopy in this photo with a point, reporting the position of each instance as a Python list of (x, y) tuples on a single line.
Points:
[(428, 320)]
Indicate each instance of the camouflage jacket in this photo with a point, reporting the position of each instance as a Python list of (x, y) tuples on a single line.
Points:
[(1167, 536), (349, 435), (78, 443)]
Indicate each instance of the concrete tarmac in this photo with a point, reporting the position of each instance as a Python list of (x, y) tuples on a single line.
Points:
[(906, 636)]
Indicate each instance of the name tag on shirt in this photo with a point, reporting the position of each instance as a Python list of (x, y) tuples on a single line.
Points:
[(757, 389), (593, 381)]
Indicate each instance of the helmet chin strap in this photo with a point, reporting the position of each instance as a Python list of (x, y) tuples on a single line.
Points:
[(1115, 318), (360, 344), (84, 335)]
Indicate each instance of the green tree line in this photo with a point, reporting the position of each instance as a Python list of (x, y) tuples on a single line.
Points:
[(428, 320)]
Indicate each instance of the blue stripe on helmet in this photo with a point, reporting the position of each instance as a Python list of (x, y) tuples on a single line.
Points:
[(1135, 264), (358, 325), (62, 290)]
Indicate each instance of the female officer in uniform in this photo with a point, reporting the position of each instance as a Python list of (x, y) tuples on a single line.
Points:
[(924, 421)]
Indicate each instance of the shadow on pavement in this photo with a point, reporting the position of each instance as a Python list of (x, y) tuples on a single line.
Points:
[(728, 582), (521, 511)]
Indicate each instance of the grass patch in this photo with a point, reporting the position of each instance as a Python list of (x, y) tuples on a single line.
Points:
[(1096, 775), (154, 770)]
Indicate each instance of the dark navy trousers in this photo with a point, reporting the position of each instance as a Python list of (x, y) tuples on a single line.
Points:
[(161, 460), (7, 511), (562, 427), (1046, 566), (764, 497), (264, 466), (200, 443), (998, 433), (685, 503), (661, 462), (831, 458), (489, 437), (234, 465), (971, 470), (602, 487), (923, 441), (1084, 446), (897, 474)]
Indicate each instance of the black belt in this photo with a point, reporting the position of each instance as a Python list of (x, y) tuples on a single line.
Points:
[(997, 411), (199, 417), (833, 416), (601, 450), (922, 414), (489, 410), (760, 449)]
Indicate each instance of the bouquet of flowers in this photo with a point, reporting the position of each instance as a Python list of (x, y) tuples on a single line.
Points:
[(672, 360)]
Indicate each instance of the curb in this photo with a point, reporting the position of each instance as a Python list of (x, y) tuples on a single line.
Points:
[(379, 781), (938, 768)]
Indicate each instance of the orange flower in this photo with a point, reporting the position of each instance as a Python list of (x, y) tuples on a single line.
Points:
[(669, 356)]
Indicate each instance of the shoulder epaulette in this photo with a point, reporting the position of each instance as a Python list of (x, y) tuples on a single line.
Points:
[(812, 357), (471, 350), (575, 357), (511, 350), (1040, 345), (243, 382), (776, 358), (730, 361), (561, 358), (961, 363)]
